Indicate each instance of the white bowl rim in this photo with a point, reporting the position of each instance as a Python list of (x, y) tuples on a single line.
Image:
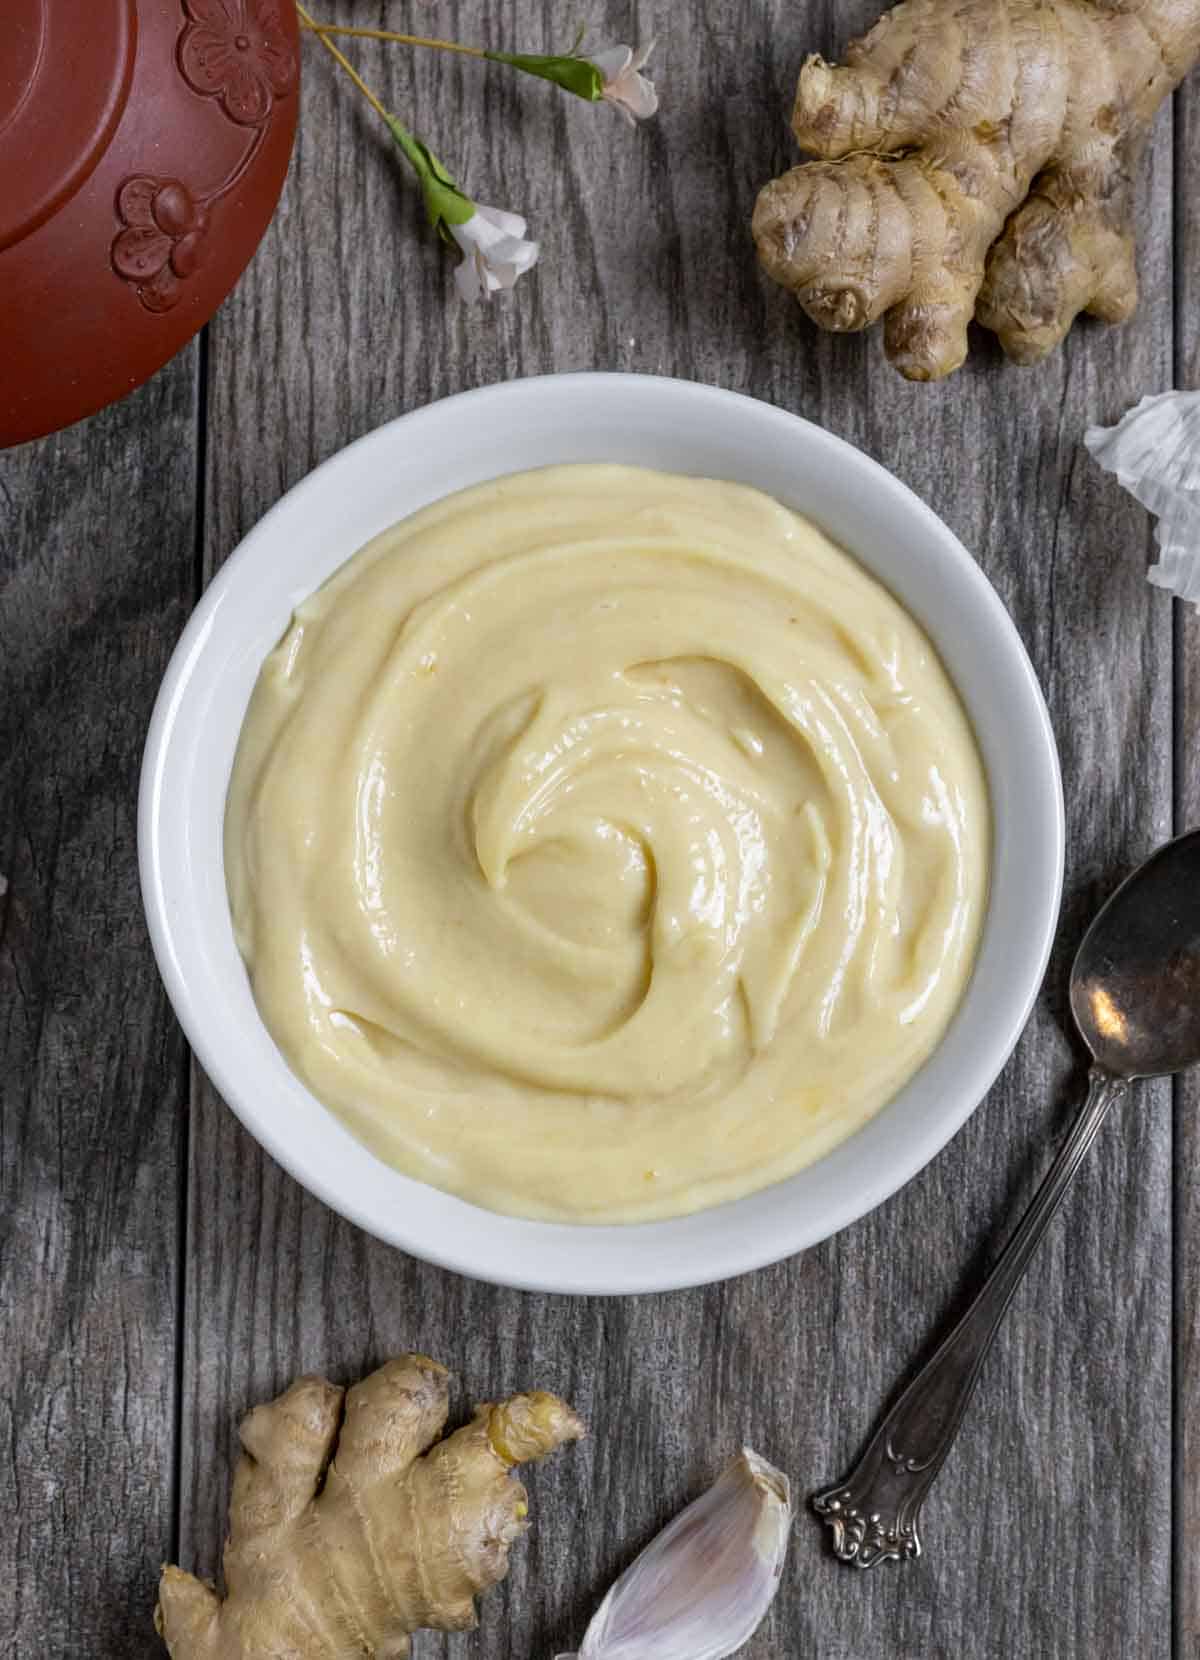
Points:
[(589, 1259)]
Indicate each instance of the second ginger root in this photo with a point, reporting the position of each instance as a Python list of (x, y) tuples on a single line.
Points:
[(979, 159)]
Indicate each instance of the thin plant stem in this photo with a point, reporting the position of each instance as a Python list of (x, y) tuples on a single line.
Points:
[(324, 29), (344, 62)]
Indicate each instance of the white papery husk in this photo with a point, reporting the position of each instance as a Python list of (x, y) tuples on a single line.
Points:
[(701, 1588), (1154, 451)]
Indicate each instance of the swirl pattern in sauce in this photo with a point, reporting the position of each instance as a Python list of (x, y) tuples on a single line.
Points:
[(604, 844)]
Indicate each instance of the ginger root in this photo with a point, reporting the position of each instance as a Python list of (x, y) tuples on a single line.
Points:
[(979, 159), (343, 1538)]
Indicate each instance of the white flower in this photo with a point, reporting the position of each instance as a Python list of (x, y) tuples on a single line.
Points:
[(495, 252), (632, 93)]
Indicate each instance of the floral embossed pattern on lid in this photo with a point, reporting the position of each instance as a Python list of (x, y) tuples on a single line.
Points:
[(238, 51), (163, 239), (165, 127)]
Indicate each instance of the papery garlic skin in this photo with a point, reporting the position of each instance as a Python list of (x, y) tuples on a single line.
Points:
[(702, 1587), (1154, 451)]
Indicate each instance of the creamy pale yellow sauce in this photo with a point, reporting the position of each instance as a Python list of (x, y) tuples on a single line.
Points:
[(604, 844)]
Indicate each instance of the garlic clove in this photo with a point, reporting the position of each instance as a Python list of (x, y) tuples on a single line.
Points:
[(1154, 451), (701, 1588)]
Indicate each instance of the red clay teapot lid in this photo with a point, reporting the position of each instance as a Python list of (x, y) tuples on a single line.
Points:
[(143, 147)]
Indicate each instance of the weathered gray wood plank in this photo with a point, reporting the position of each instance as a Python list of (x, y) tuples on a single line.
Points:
[(1046, 1533), (97, 562), (1187, 816)]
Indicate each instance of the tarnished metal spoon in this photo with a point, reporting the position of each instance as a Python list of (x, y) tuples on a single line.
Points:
[(1135, 995)]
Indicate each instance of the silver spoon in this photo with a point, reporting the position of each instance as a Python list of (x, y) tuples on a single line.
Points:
[(1135, 995)]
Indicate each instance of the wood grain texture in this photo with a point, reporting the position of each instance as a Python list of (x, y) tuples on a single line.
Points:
[(97, 545), (1187, 816), (1046, 1534)]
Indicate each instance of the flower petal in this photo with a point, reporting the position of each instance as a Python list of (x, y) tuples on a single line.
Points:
[(642, 54), (467, 234), (246, 95), (161, 293), (140, 253), (470, 277), (613, 61), (478, 232), (514, 255), (273, 51), (206, 57), (639, 97), (277, 61), (633, 95), (263, 15), (502, 276), (187, 254), (135, 200), (225, 16), (511, 224)]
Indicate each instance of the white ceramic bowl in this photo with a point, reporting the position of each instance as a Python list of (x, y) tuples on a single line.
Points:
[(680, 427)]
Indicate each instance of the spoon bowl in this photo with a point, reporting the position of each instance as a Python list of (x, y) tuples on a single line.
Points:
[(1135, 985)]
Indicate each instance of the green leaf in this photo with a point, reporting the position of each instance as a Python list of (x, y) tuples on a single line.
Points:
[(576, 75), (445, 203)]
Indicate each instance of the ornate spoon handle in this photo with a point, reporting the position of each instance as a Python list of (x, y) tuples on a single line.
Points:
[(873, 1513)]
